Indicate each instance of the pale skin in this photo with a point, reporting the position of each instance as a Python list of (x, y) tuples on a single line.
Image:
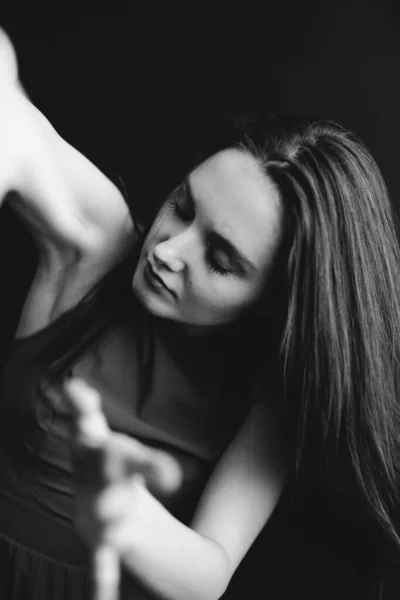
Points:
[(82, 227)]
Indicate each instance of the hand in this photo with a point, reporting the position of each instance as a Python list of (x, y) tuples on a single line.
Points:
[(110, 468), (112, 472)]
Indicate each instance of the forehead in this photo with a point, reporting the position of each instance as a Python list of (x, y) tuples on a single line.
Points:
[(234, 197)]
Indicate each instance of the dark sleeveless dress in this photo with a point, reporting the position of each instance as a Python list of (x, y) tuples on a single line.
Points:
[(187, 394)]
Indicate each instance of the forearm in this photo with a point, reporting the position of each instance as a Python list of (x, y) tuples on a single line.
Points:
[(171, 560)]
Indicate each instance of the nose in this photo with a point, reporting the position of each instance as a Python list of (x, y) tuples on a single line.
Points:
[(164, 256), (173, 253), (169, 254)]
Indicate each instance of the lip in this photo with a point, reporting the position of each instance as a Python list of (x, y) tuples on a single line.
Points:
[(154, 279)]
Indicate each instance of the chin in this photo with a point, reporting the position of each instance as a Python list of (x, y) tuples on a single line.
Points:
[(151, 303), (154, 308)]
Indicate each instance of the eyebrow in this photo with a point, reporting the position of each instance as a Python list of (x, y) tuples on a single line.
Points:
[(220, 240)]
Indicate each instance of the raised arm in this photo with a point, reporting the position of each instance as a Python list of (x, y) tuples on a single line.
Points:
[(76, 215)]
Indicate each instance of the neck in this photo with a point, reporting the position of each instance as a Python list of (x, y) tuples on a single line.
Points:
[(204, 330), (201, 330)]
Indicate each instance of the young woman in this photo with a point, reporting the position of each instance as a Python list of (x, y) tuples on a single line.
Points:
[(261, 335)]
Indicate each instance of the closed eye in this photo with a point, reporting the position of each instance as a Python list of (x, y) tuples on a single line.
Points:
[(218, 261), (181, 206)]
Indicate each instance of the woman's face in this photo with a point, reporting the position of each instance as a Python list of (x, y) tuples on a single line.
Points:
[(208, 254)]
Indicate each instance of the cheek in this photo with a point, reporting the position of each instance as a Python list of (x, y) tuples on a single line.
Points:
[(225, 295)]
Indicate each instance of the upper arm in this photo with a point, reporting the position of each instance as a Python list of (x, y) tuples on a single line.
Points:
[(246, 484), (64, 199), (76, 215)]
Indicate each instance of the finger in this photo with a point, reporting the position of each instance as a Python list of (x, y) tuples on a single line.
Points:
[(91, 427), (123, 456), (106, 573), (84, 400), (127, 457), (163, 474), (116, 501)]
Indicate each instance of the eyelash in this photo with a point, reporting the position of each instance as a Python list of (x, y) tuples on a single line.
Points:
[(210, 259), (178, 212), (214, 265)]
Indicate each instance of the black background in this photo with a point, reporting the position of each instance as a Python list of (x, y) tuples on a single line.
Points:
[(144, 85), (139, 90)]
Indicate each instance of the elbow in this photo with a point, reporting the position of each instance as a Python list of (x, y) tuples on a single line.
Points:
[(223, 580), (213, 589), (220, 590), (216, 582)]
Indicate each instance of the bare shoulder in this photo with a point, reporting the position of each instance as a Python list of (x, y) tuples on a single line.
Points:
[(74, 212), (77, 216)]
